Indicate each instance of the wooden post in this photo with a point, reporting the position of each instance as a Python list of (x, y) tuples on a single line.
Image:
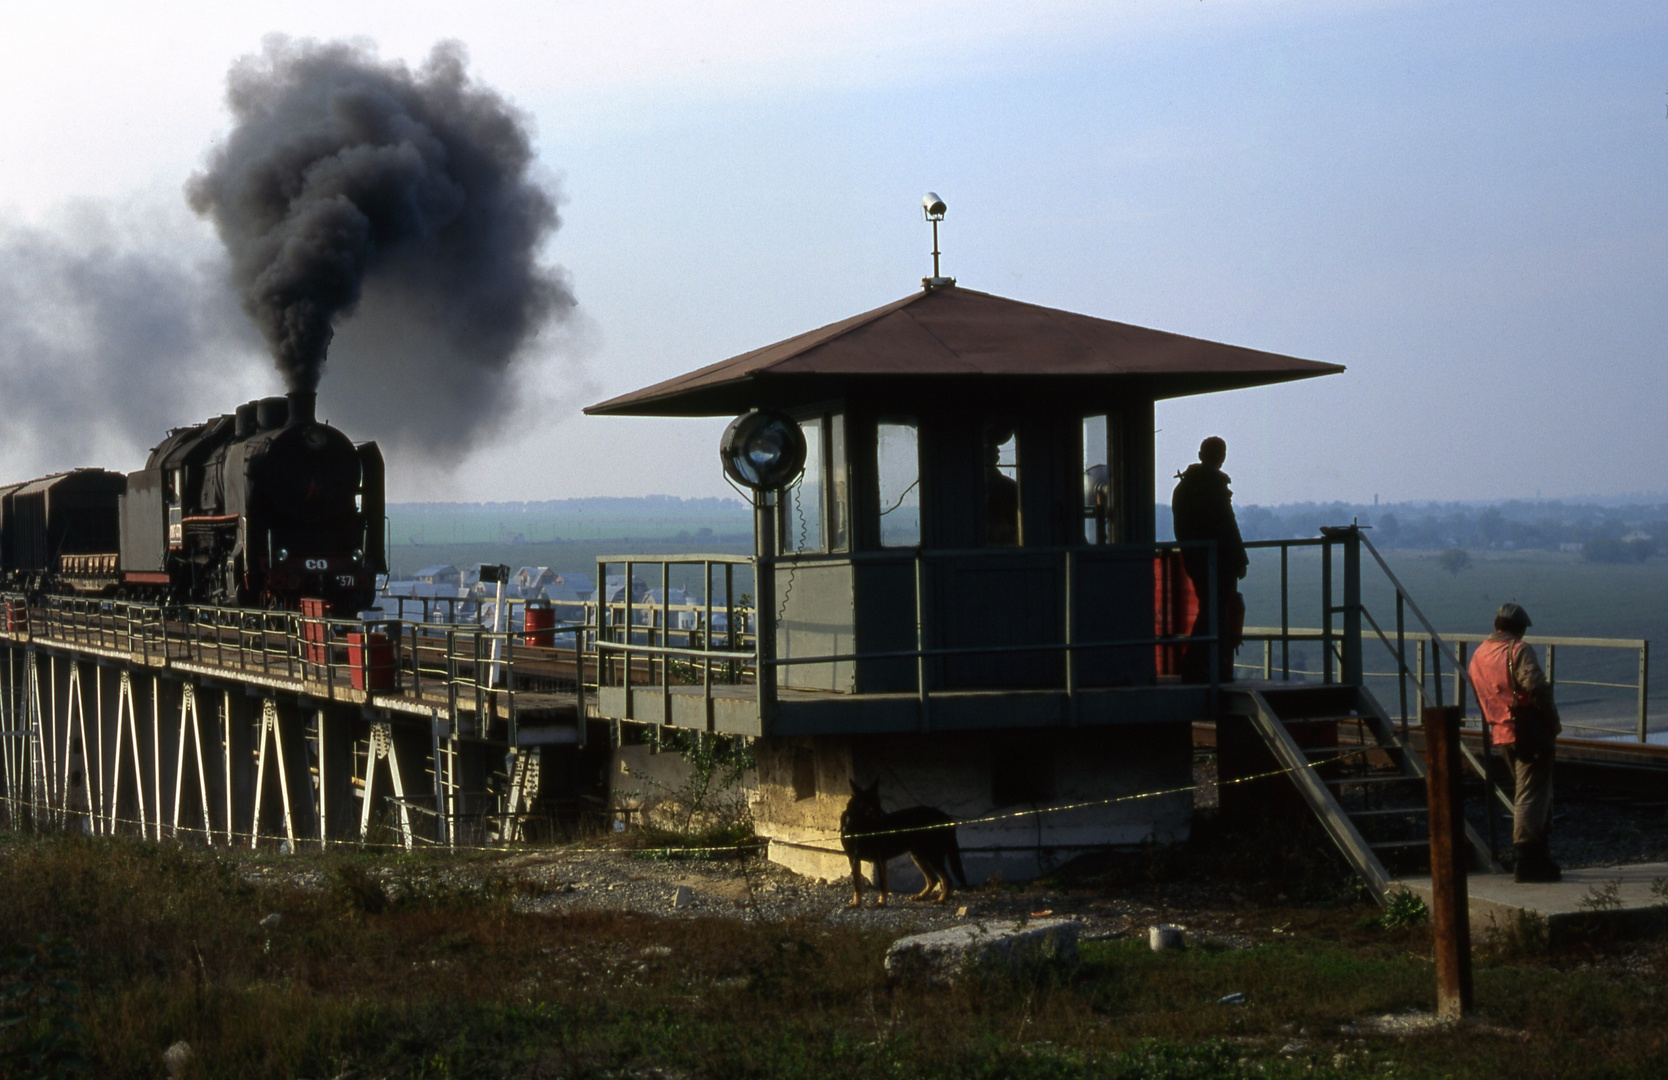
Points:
[(1450, 909)]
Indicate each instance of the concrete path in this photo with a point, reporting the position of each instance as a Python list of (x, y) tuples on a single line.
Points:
[(1634, 897)]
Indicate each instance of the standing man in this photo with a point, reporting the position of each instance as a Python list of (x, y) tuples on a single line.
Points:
[(1203, 509), (1523, 722)]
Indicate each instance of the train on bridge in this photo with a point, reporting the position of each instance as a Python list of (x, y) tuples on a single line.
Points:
[(259, 508)]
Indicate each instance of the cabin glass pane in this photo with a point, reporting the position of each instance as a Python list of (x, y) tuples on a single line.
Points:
[(802, 503), (898, 460), (839, 515), (1102, 476)]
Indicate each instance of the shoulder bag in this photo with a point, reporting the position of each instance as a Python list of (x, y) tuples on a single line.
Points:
[(1535, 727)]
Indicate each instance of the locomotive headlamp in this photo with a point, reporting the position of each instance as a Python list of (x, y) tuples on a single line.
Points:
[(763, 450)]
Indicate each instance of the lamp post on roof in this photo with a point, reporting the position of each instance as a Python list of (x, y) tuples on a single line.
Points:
[(932, 208)]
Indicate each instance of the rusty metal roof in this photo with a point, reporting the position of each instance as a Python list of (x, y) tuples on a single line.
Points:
[(955, 332)]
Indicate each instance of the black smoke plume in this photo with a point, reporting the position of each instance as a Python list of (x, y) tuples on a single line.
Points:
[(399, 206), (109, 337)]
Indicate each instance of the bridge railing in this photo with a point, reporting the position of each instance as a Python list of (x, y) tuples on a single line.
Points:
[(442, 664)]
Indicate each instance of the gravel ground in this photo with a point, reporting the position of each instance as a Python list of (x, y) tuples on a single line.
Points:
[(553, 880), (1592, 829), (755, 889)]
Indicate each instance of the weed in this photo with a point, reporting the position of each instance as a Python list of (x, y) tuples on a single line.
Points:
[(1606, 897), (1403, 910), (360, 890), (1526, 936), (40, 1034), (710, 807), (450, 978), (1659, 889)]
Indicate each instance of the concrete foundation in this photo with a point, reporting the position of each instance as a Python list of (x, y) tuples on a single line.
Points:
[(1620, 899), (1030, 800), (645, 785)]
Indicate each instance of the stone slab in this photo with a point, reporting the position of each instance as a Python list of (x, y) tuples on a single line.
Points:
[(1496, 901), (985, 948)]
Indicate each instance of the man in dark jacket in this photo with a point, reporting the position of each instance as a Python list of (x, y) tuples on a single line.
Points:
[(1203, 509)]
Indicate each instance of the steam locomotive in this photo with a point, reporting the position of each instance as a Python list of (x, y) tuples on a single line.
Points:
[(259, 508)]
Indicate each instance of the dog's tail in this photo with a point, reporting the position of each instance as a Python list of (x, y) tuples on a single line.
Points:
[(955, 858)]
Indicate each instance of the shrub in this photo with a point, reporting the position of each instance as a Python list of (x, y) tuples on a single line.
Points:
[(1454, 560), (1608, 549)]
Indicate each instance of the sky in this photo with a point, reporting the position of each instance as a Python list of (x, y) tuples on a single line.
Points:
[(1463, 203)]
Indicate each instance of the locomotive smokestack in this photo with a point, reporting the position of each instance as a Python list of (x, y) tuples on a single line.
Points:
[(302, 403)]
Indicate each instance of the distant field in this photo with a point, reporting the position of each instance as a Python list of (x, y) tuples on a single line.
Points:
[(564, 520), (1565, 596), (563, 557)]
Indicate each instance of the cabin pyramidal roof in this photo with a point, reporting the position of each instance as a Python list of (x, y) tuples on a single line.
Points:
[(952, 332)]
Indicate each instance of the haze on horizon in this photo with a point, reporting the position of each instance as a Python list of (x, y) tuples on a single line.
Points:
[(1461, 202)]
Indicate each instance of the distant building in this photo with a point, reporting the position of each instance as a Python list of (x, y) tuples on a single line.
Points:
[(614, 590), (580, 583), (439, 575), (680, 615), (565, 601), (532, 579)]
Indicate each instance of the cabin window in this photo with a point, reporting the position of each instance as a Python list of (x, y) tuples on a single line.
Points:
[(802, 516), (898, 461), (1103, 496), (839, 516), (1001, 480), (814, 510)]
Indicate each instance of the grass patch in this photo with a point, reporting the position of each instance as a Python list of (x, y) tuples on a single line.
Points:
[(403, 966)]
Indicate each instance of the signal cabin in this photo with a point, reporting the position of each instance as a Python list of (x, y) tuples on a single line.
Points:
[(956, 594)]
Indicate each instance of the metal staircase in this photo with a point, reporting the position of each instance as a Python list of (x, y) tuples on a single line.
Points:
[(1369, 796)]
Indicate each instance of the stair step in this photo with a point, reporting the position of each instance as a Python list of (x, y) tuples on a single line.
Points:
[(1384, 779), (1394, 845), (1388, 813)]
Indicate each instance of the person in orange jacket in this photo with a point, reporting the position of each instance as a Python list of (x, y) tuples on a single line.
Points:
[(1512, 692)]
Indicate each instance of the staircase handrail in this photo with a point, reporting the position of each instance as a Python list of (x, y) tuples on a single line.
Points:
[(1437, 643), (1436, 639)]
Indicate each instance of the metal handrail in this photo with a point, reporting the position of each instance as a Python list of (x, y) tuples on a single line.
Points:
[(620, 654)]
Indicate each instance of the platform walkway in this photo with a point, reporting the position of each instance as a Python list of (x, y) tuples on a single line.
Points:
[(1631, 897)]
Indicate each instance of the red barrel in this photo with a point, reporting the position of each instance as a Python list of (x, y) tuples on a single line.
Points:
[(540, 627), (1175, 606), (315, 634), (371, 662)]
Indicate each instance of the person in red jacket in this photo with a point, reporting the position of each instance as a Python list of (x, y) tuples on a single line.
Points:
[(1504, 673)]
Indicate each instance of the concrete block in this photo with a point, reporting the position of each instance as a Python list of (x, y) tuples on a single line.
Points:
[(983, 949)]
